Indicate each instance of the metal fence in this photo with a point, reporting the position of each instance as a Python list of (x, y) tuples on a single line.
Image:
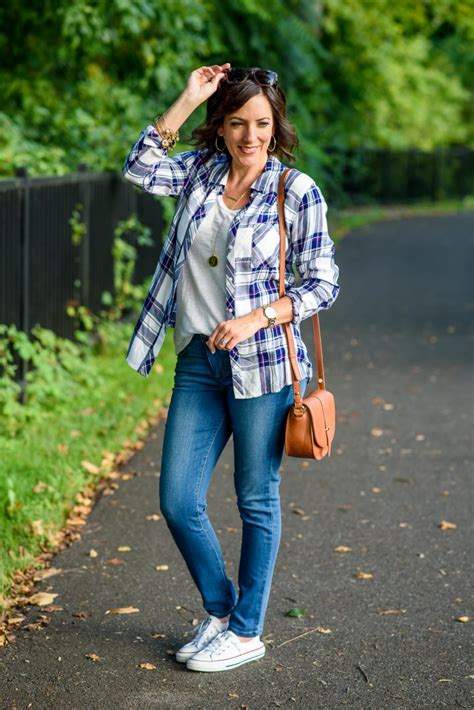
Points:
[(41, 270), (376, 175)]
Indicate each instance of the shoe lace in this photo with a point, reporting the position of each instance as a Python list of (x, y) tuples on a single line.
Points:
[(216, 646), (202, 627)]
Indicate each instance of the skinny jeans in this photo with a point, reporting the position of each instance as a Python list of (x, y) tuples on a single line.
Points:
[(202, 415)]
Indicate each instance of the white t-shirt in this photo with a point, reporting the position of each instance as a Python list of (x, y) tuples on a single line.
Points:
[(200, 296)]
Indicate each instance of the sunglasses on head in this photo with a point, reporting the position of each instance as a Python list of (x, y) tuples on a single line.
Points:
[(264, 77)]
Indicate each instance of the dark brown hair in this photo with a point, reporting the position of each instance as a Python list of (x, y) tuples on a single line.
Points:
[(230, 97)]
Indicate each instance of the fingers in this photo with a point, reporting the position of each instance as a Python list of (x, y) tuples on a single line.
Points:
[(214, 70), (220, 339)]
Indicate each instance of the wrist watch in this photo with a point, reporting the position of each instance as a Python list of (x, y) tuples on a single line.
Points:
[(271, 314)]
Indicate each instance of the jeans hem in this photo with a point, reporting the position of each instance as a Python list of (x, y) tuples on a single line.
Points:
[(243, 633)]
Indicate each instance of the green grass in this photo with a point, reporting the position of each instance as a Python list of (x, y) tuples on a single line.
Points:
[(94, 421), (343, 221)]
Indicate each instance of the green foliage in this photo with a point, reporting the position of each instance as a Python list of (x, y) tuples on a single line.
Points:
[(57, 367), (79, 80)]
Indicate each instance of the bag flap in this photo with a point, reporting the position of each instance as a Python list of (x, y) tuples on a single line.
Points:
[(322, 410)]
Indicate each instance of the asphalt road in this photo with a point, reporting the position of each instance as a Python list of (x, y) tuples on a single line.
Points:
[(398, 352)]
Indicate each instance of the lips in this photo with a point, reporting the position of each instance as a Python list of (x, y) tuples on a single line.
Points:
[(248, 151)]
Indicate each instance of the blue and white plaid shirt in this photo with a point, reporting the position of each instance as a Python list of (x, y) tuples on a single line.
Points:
[(259, 364)]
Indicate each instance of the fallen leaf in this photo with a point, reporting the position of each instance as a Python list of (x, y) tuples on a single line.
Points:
[(322, 630), (115, 561), (420, 437), (161, 568), (463, 619), (82, 614), (153, 516), (376, 489), (342, 549), (90, 467), (386, 612), (124, 548), (231, 695), (148, 666), (36, 527), (47, 572), (232, 530), (76, 522), (122, 610), (93, 656), (445, 525), (376, 432), (62, 449), (92, 553), (298, 511), (377, 401), (388, 407), (15, 620), (41, 486), (363, 575), (158, 636), (42, 598)]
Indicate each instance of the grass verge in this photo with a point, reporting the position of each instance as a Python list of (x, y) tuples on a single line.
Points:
[(46, 466)]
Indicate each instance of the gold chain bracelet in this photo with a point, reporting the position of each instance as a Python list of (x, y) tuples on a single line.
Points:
[(169, 137)]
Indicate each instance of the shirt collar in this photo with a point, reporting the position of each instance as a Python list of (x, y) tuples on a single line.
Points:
[(219, 172)]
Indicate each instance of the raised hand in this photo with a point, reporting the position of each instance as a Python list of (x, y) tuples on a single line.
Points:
[(204, 81)]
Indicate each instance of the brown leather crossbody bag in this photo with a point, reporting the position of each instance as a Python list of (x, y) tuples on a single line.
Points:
[(311, 422)]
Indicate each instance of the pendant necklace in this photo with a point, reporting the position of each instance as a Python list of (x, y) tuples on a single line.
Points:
[(213, 260)]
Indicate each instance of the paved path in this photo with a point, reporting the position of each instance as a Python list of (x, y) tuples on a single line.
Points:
[(397, 336)]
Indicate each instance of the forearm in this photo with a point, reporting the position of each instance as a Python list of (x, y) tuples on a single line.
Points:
[(283, 308), (179, 111)]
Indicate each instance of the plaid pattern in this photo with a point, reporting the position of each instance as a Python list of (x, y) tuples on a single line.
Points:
[(259, 364)]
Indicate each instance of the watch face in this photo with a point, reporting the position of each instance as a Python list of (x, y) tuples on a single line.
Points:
[(270, 312)]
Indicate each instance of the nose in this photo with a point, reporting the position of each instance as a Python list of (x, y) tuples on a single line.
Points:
[(250, 135)]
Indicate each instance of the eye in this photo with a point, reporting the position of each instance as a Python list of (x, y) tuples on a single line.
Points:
[(261, 125)]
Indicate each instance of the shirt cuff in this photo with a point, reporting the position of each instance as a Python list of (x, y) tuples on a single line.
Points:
[(298, 307)]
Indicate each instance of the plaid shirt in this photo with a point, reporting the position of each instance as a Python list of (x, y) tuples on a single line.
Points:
[(260, 363)]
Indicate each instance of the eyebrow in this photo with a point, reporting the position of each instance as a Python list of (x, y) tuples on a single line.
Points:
[(243, 119)]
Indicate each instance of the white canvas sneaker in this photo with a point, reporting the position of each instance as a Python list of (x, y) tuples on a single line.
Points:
[(226, 651), (205, 632)]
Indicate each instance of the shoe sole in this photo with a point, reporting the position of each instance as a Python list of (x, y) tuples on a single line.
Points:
[(212, 666), (181, 658)]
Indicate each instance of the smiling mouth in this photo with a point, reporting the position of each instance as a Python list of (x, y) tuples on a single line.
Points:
[(248, 149)]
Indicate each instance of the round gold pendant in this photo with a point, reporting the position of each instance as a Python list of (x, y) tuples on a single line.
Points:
[(213, 260)]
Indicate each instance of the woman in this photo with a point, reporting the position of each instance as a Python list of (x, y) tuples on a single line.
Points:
[(216, 283)]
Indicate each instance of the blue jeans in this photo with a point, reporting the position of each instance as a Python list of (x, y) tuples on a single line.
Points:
[(202, 415)]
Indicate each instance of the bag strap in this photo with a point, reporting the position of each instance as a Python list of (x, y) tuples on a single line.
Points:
[(287, 328)]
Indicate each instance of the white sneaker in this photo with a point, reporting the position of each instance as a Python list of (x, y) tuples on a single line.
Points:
[(205, 632), (226, 651)]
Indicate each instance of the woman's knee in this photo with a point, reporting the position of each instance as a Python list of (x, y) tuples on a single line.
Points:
[(178, 508)]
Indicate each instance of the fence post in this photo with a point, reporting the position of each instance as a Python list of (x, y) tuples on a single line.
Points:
[(22, 174), (84, 265)]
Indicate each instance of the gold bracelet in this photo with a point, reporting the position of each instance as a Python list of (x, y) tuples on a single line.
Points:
[(168, 136)]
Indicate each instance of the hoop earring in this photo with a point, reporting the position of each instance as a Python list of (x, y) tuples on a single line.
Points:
[(271, 150), (220, 150)]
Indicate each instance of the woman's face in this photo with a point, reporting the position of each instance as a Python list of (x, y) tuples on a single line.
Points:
[(250, 126)]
